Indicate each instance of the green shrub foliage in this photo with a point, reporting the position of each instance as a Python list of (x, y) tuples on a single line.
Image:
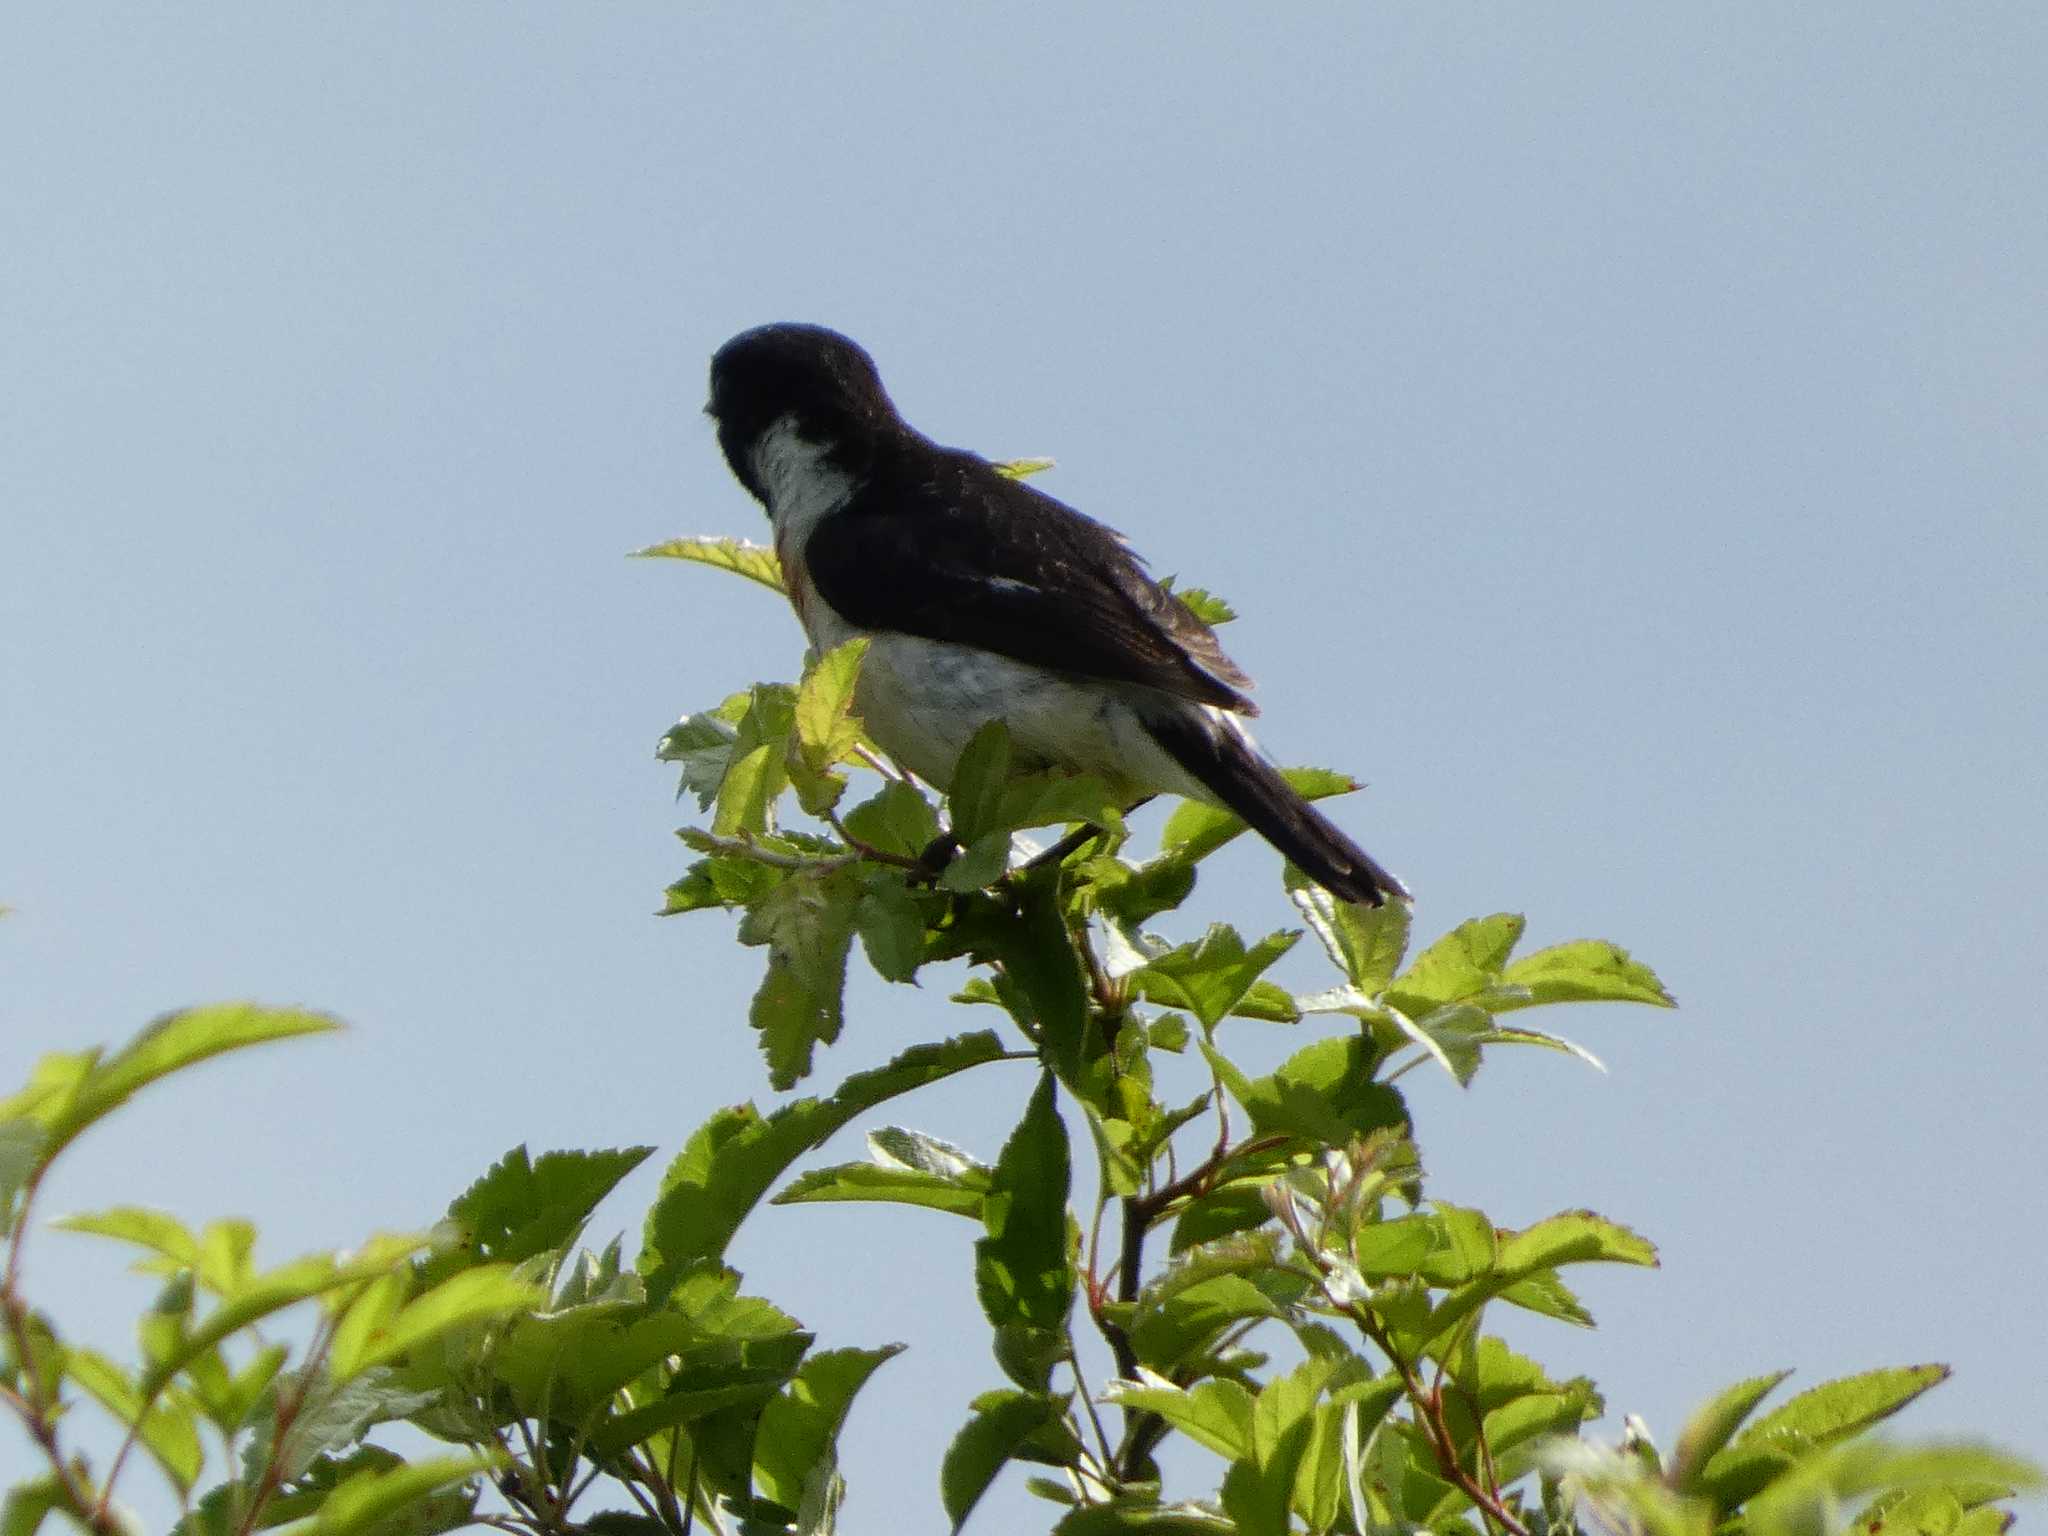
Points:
[(1254, 1260)]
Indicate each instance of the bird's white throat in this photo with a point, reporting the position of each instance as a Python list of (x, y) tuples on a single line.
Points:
[(800, 483)]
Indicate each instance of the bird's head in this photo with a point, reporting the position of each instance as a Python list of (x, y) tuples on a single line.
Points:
[(816, 378)]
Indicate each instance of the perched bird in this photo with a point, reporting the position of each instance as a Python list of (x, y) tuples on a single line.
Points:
[(987, 599)]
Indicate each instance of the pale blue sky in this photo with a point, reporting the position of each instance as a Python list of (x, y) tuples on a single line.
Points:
[(1620, 426)]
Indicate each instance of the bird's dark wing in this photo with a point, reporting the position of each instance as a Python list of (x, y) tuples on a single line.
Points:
[(937, 543)]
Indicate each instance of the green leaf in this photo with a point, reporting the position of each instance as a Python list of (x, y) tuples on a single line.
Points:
[(1018, 469), (1575, 1237), (1365, 943), (1171, 1324), (1053, 798), (1022, 1270), (174, 1245), (702, 745), (166, 1430), (898, 820), (1324, 1092), (979, 778), (69, 1091), (1585, 971), (272, 1291), (800, 1425), (486, 1294), (728, 1164), (1195, 830), (824, 703), (754, 561), (22, 1142), (1001, 1425), (364, 1502), (1463, 963), (33, 1500), (1809, 1494), (1210, 977), (1714, 1424), (1045, 990), (896, 1186), (891, 926), (1205, 605), (331, 1416), (980, 864), (1216, 1413), (525, 1206), (807, 924), (824, 731), (1847, 1404)]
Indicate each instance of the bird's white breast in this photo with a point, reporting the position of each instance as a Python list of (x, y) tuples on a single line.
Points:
[(923, 699)]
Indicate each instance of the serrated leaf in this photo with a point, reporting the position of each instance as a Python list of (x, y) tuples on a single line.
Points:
[(730, 1161), (524, 1206), (1216, 1413), (68, 1091), (1714, 1424), (807, 924), (1001, 1425), (747, 793), (899, 820), (894, 1186), (800, 1425), (1462, 964), (894, 1146), (1205, 605), (1042, 984), (1365, 943), (1211, 976), (1844, 1406), (486, 1294), (1022, 1270), (1585, 971), (756, 562), (1575, 1237), (331, 1416), (891, 926), (1168, 1326), (980, 864), (701, 746), (1325, 1092)]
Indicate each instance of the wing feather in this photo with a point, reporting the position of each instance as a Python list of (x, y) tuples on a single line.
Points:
[(938, 544)]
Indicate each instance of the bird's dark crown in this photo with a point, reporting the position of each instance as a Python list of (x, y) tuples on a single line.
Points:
[(823, 380)]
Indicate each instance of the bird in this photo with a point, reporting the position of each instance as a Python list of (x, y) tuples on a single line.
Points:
[(984, 598)]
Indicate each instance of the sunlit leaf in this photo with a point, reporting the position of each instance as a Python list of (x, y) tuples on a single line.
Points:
[(1585, 971), (800, 1425), (807, 924), (728, 1164), (754, 561), (986, 1443)]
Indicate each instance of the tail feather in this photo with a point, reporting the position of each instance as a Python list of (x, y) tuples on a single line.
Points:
[(1224, 761)]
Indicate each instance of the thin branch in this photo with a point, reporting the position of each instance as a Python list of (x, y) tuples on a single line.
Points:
[(1088, 1402)]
